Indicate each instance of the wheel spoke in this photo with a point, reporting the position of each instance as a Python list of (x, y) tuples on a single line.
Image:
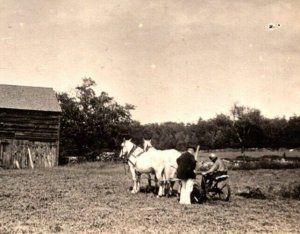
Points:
[(223, 187), (223, 192)]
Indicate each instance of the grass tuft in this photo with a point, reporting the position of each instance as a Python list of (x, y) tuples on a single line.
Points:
[(292, 190)]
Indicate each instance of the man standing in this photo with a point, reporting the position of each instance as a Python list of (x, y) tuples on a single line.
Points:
[(185, 172)]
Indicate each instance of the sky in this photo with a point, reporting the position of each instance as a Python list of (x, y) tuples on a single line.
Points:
[(175, 60)]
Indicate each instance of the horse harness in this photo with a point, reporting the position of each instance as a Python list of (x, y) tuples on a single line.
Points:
[(126, 160), (148, 147)]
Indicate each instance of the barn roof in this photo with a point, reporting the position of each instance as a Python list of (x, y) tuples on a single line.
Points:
[(28, 98)]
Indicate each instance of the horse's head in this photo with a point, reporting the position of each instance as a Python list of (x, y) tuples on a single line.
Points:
[(126, 148), (147, 144)]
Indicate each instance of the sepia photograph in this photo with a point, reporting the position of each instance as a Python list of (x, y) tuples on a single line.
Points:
[(149, 116)]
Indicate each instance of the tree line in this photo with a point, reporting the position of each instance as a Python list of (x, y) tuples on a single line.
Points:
[(93, 123)]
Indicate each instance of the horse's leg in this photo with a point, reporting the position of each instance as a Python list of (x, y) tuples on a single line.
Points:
[(172, 173), (168, 184), (166, 187), (149, 183), (134, 189), (149, 180), (149, 186), (171, 186), (133, 173), (138, 182), (161, 180), (156, 184), (161, 189), (179, 188)]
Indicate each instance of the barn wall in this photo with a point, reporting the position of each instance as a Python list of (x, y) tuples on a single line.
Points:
[(15, 152), (29, 125), (21, 130)]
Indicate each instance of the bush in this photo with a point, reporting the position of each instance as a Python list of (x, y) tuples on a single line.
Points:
[(245, 158), (267, 165), (292, 190)]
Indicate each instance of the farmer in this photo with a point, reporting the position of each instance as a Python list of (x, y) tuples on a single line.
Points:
[(185, 172), (219, 168)]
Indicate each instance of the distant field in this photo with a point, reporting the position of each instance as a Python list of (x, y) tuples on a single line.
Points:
[(95, 198), (203, 155)]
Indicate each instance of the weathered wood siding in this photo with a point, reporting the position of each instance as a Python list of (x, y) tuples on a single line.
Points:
[(44, 154), (37, 131), (29, 125)]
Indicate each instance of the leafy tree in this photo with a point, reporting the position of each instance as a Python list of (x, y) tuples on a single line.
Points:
[(244, 128), (274, 132), (91, 123), (225, 136), (292, 132), (247, 125)]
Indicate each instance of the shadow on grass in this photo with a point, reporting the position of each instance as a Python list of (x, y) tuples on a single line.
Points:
[(154, 190)]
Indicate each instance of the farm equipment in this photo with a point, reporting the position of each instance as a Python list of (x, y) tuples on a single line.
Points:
[(217, 189)]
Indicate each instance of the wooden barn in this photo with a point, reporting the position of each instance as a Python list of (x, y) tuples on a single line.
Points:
[(29, 127)]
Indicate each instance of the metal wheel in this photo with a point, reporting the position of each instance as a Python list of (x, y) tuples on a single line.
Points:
[(221, 191), (225, 192)]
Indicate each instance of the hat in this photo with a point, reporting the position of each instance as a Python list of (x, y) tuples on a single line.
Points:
[(212, 156), (191, 147)]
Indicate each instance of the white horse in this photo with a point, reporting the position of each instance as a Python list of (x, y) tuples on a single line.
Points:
[(147, 145), (170, 164), (141, 162)]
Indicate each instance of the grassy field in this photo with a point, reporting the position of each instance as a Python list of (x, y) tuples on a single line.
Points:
[(95, 198)]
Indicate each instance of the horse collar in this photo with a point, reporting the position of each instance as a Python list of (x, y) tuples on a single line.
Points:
[(132, 150)]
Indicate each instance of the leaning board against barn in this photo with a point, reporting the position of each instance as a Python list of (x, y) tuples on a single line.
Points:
[(29, 127)]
